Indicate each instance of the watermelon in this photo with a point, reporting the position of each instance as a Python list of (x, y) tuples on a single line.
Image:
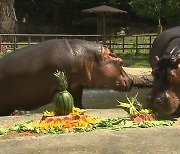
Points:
[(150, 117), (63, 103), (138, 119)]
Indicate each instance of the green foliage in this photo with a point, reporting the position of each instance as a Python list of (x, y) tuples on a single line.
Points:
[(131, 60), (22, 127), (120, 123), (105, 123), (3, 131), (133, 106), (132, 57), (157, 9)]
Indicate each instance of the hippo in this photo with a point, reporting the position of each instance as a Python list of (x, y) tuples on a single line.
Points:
[(164, 97), (27, 78)]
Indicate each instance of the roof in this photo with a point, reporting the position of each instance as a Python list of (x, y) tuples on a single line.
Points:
[(104, 8)]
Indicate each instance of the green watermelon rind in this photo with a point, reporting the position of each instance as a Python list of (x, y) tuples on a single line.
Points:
[(63, 103)]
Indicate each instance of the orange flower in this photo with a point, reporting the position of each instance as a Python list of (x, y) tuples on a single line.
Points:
[(76, 119)]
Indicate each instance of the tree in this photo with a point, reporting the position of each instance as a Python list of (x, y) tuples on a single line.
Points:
[(7, 16), (157, 10)]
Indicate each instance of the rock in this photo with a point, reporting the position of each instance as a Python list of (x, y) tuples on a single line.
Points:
[(141, 76), (142, 80)]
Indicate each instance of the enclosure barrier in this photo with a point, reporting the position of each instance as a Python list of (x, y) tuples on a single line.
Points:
[(139, 44)]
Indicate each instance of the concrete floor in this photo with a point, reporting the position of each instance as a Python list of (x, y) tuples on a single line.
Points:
[(155, 140)]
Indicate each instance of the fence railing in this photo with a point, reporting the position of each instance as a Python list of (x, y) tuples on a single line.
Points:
[(138, 44)]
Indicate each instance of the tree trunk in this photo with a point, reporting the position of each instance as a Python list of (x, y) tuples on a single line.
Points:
[(7, 17)]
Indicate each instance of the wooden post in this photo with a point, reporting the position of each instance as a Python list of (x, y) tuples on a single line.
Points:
[(110, 41), (14, 47), (123, 43), (150, 42), (42, 38), (29, 41), (136, 45), (0, 43)]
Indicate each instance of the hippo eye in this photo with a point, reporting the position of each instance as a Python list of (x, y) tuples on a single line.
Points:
[(152, 73), (112, 54), (155, 74), (120, 62)]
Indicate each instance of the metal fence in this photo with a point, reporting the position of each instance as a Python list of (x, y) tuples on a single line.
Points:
[(138, 44)]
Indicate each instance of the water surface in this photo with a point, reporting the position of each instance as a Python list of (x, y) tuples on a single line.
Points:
[(105, 98)]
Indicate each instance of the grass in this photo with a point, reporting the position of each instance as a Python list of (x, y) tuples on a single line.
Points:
[(131, 57), (130, 60)]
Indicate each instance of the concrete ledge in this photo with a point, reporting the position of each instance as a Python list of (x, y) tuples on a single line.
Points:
[(159, 140), (141, 76)]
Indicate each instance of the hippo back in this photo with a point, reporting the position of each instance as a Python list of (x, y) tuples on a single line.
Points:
[(162, 42)]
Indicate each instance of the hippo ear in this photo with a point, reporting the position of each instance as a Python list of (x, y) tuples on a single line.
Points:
[(120, 61), (156, 58), (177, 62), (107, 54)]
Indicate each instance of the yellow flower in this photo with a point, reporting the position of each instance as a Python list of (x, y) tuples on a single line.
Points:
[(34, 124), (75, 123), (63, 123), (92, 120), (82, 123), (58, 124), (146, 111), (77, 111), (43, 125), (52, 125), (48, 114), (83, 120)]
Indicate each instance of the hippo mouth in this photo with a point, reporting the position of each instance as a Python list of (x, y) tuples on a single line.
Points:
[(126, 85), (164, 110)]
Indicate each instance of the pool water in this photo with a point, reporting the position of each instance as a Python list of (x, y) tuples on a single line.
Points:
[(105, 98)]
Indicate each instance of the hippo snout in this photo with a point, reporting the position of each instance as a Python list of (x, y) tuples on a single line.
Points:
[(127, 84), (127, 81), (162, 103), (156, 102)]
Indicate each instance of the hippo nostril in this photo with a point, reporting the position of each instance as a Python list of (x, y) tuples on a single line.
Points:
[(129, 83), (158, 101), (149, 97), (117, 84)]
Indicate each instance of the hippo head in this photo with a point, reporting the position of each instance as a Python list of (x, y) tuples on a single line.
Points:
[(165, 94), (106, 70)]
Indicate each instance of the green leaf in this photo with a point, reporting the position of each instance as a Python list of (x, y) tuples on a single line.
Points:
[(63, 84), (127, 123), (38, 130), (23, 127), (3, 131), (156, 123), (125, 105)]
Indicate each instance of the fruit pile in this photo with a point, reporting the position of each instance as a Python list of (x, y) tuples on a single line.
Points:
[(136, 111), (77, 119), (138, 118)]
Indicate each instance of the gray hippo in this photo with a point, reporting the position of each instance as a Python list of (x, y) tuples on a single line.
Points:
[(26, 75), (165, 62)]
